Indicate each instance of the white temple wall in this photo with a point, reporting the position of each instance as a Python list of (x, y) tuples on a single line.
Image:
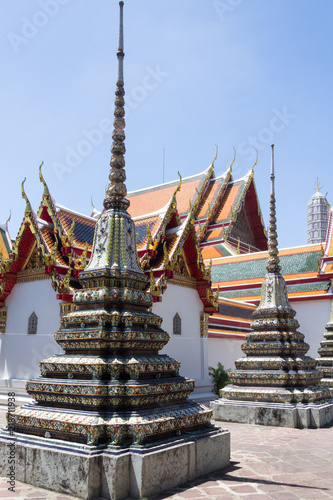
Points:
[(313, 316), (34, 296), (224, 351), (21, 353), (188, 348)]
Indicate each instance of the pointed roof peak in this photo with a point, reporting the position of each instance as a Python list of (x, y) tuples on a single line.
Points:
[(28, 208), (41, 178), (215, 157), (233, 161)]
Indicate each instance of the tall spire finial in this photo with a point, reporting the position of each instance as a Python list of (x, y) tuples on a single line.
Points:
[(120, 53), (318, 186), (273, 260), (116, 191)]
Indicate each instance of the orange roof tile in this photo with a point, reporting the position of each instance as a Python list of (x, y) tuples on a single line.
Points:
[(213, 188), (153, 199), (214, 234), (210, 252), (228, 202)]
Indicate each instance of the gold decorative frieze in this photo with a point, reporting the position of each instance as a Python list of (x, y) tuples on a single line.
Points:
[(3, 319)]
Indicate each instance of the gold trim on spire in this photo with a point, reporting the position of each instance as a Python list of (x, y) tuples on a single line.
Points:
[(318, 187)]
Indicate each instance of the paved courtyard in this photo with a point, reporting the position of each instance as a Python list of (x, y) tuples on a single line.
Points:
[(266, 462)]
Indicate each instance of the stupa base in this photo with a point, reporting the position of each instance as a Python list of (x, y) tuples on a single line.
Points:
[(113, 472), (296, 415)]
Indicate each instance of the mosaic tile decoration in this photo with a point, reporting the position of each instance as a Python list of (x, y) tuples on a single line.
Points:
[(276, 368), (111, 386), (325, 362)]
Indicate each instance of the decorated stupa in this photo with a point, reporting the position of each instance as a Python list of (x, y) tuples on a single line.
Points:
[(111, 416), (276, 383), (325, 362), (111, 385)]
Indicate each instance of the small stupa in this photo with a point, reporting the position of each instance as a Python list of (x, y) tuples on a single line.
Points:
[(325, 362), (318, 214), (122, 406), (276, 383)]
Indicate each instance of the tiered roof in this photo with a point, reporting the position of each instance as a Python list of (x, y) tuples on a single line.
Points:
[(64, 239), (240, 277)]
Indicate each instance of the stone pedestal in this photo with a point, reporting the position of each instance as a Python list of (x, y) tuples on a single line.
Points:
[(114, 472), (297, 415)]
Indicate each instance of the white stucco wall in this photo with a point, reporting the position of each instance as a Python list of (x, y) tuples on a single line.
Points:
[(37, 296), (313, 316), (188, 348), (21, 353), (224, 351)]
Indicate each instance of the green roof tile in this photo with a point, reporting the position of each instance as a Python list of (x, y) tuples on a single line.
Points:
[(290, 264)]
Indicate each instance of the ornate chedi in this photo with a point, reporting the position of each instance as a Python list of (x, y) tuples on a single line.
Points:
[(276, 368), (112, 386), (325, 362)]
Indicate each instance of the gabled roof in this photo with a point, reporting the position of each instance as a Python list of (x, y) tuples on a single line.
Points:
[(84, 226), (65, 236), (28, 237), (239, 199), (152, 199)]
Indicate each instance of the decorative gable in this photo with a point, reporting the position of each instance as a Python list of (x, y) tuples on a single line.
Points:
[(242, 229)]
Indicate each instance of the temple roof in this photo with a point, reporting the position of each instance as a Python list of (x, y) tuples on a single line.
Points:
[(153, 199), (240, 277), (233, 319), (64, 239)]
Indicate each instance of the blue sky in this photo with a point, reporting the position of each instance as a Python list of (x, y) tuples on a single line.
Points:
[(236, 73)]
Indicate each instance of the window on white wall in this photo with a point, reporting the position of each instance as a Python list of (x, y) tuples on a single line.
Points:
[(32, 324), (177, 325)]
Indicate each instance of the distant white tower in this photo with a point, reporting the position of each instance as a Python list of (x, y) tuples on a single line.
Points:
[(318, 210)]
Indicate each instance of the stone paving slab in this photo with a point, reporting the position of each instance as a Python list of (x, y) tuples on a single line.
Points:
[(275, 463)]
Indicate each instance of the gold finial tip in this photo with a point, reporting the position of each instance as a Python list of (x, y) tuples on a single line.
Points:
[(318, 187)]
